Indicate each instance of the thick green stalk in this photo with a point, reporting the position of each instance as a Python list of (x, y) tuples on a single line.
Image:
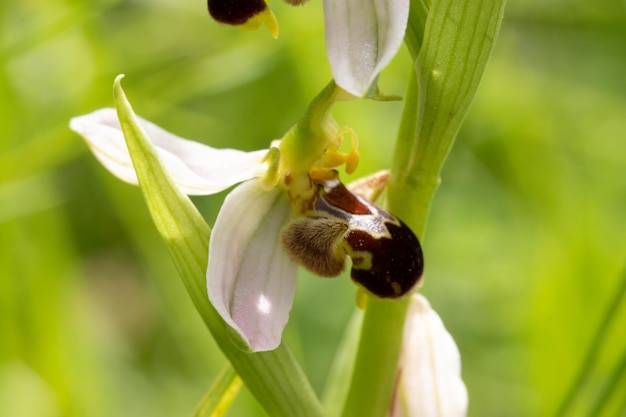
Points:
[(457, 40), (377, 359), (275, 378)]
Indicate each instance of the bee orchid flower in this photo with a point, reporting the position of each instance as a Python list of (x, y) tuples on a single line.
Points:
[(290, 208)]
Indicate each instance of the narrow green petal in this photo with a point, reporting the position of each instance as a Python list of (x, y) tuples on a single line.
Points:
[(275, 378), (217, 400), (340, 376)]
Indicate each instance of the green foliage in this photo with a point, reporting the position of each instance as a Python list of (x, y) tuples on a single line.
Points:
[(218, 399), (275, 376), (524, 248)]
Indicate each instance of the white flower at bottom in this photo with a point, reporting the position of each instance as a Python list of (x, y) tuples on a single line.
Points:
[(277, 217), (429, 383)]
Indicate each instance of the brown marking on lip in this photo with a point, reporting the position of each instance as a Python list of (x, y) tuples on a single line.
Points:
[(397, 264), (386, 255), (340, 197)]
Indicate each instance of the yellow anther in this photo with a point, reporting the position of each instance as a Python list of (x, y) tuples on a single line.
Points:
[(352, 161), (322, 174), (332, 158)]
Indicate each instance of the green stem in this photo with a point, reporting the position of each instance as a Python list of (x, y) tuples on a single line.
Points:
[(376, 365), (418, 12), (457, 43), (422, 179), (449, 61), (217, 400), (610, 389), (597, 342)]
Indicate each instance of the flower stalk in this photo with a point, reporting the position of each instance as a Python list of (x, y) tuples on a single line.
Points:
[(458, 39), (449, 61)]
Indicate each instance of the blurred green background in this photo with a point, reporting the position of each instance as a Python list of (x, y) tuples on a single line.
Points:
[(525, 248)]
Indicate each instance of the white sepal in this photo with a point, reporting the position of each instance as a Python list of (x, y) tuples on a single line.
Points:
[(251, 281), (362, 36), (196, 169), (430, 383)]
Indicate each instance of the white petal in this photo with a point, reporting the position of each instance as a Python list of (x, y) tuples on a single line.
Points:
[(196, 169), (430, 367), (362, 36), (251, 281)]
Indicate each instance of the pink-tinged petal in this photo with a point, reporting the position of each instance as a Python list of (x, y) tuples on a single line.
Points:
[(430, 383), (196, 169), (251, 281), (362, 36)]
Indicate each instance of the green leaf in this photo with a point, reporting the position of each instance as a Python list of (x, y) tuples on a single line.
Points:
[(275, 378), (456, 44), (217, 400), (338, 383), (458, 39), (596, 379)]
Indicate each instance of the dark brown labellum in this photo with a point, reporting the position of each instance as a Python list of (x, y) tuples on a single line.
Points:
[(386, 256), (396, 263), (235, 12)]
